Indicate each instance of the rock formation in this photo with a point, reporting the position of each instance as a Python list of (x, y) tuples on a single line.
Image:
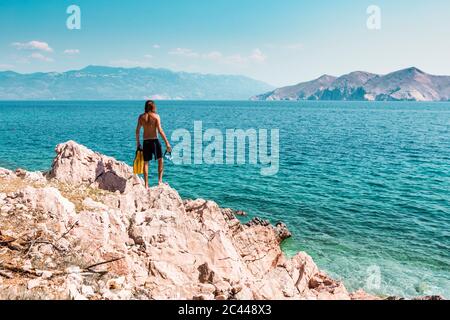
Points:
[(88, 229)]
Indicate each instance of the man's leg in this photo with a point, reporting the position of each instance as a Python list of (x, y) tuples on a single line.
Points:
[(146, 174), (160, 170)]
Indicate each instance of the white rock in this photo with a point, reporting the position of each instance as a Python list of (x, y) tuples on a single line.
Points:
[(6, 174), (27, 266), (6, 208), (118, 295), (34, 283), (47, 274), (87, 291), (115, 284), (20, 206), (90, 204), (76, 164), (48, 200), (73, 270), (34, 177)]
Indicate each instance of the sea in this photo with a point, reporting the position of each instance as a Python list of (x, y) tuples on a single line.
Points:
[(364, 187)]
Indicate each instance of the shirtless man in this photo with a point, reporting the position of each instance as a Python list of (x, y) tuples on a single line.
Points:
[(151, 122)]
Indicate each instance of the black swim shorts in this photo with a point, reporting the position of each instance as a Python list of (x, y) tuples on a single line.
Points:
[(152, 150)]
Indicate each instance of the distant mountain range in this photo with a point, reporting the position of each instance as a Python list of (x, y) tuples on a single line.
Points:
[(409, 84), (109, 83)]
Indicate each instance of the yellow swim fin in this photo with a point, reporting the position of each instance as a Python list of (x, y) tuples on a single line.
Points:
[(138, 166)]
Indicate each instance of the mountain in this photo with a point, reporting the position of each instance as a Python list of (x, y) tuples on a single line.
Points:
[(409, 84), (109, 83), (301, 91)]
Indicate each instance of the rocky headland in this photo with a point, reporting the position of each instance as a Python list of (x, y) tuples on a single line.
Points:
[(409, 84), (88, 229)]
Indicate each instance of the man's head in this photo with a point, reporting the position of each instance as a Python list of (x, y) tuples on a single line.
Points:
[(150, 106)]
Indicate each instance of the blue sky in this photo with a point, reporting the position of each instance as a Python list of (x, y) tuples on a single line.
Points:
[(278, 41)]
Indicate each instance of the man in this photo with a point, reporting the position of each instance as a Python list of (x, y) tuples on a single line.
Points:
[(151, 122)]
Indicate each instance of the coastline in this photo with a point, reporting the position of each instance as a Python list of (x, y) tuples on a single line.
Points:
[(88, 229), (148, 244)]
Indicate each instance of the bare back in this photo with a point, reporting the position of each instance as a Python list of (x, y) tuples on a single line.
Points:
[(149, 121)]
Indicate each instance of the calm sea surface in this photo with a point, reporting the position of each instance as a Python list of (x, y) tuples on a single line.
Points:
[(364, 187)]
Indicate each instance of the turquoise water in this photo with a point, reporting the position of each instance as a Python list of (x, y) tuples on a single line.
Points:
[(360, 184)]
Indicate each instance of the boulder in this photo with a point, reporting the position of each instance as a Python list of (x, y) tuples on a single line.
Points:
[(76, 164), (31, 176), (282, 231), (6, 174)]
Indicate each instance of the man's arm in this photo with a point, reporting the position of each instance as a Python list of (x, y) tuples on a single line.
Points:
[(138, 134), (163, 135)]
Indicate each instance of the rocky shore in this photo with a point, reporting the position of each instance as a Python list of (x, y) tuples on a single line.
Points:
[(88, 229)]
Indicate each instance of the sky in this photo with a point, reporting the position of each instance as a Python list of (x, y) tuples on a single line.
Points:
[(281, 42)]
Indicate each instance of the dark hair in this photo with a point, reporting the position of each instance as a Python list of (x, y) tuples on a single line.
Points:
[(150, 106)]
